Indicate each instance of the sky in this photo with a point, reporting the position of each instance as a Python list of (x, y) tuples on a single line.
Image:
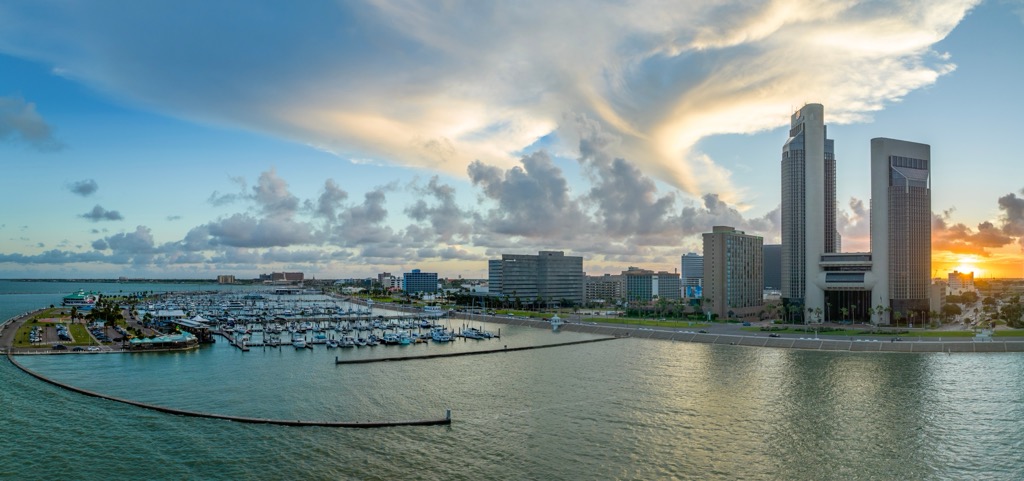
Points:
[(342, 139)]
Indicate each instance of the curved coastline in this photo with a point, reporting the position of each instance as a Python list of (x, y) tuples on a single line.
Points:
[(241, 419)]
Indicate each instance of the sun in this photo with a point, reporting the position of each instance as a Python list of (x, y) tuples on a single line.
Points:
[(967, 264)]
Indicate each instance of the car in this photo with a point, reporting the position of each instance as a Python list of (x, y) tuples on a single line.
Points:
[(78, 349), (60, 347), (93, 349), (703, 331), (774, 334), (746, 324)]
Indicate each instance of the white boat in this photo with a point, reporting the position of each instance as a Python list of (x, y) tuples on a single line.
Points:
[(331, 344), (555, 322), (347, 341), (440, 334), (299, 341), (476, 333)]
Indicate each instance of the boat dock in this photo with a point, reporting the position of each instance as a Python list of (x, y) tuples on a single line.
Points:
[(466, 353)]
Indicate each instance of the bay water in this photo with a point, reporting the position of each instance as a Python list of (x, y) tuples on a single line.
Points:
[(622, 409)]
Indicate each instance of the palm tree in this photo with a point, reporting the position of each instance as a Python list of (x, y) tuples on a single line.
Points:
[(845, 312)]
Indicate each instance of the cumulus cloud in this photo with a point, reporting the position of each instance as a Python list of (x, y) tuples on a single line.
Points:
[(1013, 214), (439, 85), (20, 121), (958, 238), (84, 188), (98, 213)]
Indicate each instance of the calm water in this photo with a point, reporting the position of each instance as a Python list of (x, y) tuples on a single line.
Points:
[(624, 409)]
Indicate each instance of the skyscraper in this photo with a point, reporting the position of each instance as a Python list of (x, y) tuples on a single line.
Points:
[(901, 225), (808, 206)]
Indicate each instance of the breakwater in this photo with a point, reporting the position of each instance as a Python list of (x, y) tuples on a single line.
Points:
[(467, 353), (240, 419)]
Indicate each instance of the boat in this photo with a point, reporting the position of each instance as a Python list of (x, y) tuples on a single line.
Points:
[(440, 334), (299, 341), (476, 333), (390, 338), (331, 344), (556, 322), (347, 341)]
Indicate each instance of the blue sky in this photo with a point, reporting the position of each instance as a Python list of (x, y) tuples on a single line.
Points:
[(202, 138)]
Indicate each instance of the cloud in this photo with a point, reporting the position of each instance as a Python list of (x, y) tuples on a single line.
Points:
[(98, 213), (243, 230), (854, 226), (84, 188), (440, 85), (20, 121), (961, 239), (531, 201), (1013, 214)]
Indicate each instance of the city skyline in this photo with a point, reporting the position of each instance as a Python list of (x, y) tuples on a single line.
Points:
[(347, 140)]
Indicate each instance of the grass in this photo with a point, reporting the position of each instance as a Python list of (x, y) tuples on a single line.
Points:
[(1009, 333)]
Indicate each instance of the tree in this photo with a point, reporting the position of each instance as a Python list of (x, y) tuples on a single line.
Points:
[(949, 310), (845, 312)]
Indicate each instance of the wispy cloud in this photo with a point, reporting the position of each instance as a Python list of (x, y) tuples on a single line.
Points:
[(439, 85), (20, 121)]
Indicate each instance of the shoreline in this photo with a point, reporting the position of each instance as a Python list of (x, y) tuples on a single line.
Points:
[(822, 342)]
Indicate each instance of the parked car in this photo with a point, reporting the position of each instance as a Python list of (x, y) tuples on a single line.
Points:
[(78, 349), (60, 347), (774, 334)]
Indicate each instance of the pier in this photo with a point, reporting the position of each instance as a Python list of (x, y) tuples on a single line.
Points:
[(466, 353), (446, 420)]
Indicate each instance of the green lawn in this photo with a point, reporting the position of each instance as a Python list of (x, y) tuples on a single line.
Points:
[(1009, 333)]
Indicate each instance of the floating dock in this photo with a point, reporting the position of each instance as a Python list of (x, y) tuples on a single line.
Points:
[(466, 353)]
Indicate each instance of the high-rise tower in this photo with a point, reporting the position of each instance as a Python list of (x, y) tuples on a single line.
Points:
[(808, 206), (901, 218)]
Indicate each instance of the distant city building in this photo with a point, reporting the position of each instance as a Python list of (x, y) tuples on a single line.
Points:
[(548, 277), (937, 296), (645, 285), (691, 273), (225, 279), (607, 288), (773, 267), (282, 277), (416, 282), (389, 282), (961, 282), (733, 277)]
